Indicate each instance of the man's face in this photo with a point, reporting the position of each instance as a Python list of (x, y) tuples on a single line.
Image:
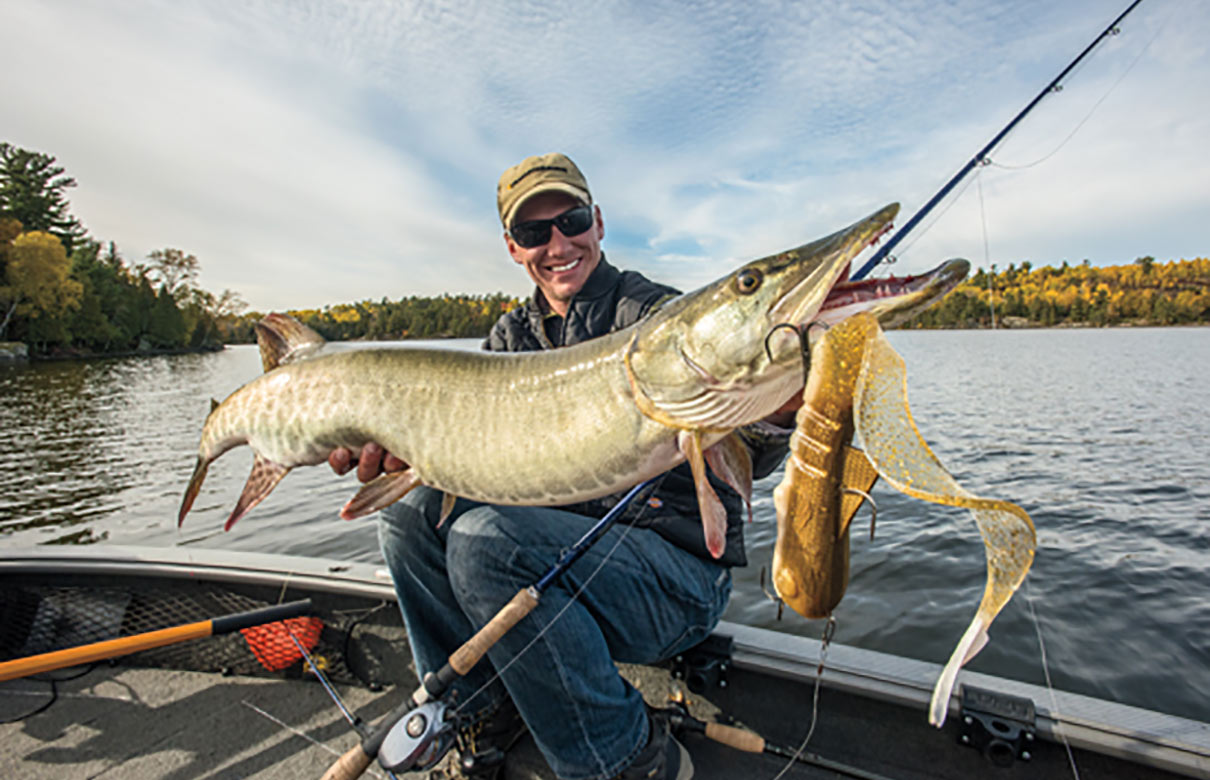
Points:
[(560, 267)]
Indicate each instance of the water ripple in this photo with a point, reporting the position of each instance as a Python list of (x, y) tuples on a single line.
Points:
[(1100, 434)]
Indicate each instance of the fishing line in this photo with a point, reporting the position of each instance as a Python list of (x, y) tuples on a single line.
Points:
[(1112, 87), (1054, 702), (557, 615), (829, 630), (981, 157), (1000, 385), (987, 258), (298, 733), (919, 234)]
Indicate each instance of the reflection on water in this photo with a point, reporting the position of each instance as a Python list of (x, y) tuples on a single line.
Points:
[(1100, 434)]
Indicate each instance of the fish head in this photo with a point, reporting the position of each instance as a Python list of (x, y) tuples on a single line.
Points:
[(715, 358)]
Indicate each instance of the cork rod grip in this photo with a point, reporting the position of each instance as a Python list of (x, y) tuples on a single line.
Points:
[(465, 657), (350, 766), (739, 739)]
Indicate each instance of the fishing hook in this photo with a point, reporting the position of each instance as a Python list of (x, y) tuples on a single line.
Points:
[(873, 506), (804, 343), (781, 605)]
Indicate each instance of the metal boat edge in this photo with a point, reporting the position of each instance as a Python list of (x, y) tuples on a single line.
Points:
[(1133, 734)]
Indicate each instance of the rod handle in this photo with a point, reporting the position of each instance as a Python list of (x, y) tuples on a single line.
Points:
[(465, 657), (350, 766), (740, 739)]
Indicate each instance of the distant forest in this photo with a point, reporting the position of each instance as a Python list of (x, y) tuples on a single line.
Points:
[(1142, 293), (65, 292)]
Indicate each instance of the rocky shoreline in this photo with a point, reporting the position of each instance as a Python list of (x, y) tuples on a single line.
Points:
[(13, 352)]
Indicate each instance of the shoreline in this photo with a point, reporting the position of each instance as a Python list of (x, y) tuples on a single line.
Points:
[(63, 356)]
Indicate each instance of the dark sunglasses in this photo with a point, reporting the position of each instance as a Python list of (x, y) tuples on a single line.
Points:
[(536, 232)]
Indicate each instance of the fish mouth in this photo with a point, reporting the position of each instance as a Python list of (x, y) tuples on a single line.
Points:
[(894, 299), (804, 296)]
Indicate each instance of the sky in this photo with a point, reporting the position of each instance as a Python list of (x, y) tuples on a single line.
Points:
[(317, 153)]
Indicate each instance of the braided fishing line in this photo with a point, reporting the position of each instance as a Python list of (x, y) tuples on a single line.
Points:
[(1000, 385)]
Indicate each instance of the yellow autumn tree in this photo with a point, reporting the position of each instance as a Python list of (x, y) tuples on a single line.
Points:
[(37, 278)]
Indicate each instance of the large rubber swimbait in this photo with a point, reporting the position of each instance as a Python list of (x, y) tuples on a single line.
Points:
[(858, 383)]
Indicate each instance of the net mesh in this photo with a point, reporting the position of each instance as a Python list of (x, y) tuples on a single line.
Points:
[(357, 641)]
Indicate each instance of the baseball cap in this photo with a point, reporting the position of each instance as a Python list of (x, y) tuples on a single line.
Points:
[(533, 175)]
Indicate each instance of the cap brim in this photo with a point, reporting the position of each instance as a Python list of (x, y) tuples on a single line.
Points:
[(552, 186)]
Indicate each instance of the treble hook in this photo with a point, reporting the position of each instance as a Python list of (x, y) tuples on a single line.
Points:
[(873, 506), (781, 605), (804, 345)]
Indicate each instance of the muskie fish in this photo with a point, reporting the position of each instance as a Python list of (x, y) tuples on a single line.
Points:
[(858, 384), (545, 428)]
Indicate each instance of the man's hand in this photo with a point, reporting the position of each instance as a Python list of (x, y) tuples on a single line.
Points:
[(372, 461)]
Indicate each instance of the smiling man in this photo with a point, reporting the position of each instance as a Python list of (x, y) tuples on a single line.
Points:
[(645, 591)]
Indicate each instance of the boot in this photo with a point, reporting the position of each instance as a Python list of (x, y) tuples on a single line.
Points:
[(664, 758)]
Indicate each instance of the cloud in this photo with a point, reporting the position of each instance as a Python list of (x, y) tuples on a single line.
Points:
[(322, 152)]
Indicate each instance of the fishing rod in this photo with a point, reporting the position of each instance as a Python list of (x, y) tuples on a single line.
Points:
[(420, 731), (113, 648), (750, 742), (982, 155)]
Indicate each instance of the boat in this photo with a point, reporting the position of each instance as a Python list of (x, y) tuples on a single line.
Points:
[(222, 707)]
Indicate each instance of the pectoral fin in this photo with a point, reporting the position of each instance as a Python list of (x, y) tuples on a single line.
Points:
[(730, 460), (714, 514), (381, 492), (264, 477)]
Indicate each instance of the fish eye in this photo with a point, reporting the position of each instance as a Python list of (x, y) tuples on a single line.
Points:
[(748, 281)]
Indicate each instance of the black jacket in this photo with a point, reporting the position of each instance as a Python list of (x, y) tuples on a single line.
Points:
[(611, 300)]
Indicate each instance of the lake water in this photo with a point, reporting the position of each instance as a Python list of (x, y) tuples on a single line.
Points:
[(1102, 435)]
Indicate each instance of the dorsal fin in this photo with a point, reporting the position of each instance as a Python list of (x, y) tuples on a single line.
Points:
[(283, 339)]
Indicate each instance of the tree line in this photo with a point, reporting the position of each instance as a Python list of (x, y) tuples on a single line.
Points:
[(63, 291), (447, 316), (1141, 293)]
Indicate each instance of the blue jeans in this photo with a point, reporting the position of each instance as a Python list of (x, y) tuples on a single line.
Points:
[(648, 601)]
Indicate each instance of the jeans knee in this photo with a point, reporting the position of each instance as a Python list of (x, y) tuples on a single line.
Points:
[(407, 526), (482, 557)]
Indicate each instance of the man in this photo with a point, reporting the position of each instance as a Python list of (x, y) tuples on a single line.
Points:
[(647, 590)]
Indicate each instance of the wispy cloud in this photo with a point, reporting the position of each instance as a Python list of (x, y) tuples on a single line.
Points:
[(314, 153)]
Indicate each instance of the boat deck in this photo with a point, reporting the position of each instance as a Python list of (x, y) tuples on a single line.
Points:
[(129, 723), (148, 718)]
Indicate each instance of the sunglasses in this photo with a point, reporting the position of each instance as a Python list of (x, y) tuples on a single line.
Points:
[(536, 232)]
